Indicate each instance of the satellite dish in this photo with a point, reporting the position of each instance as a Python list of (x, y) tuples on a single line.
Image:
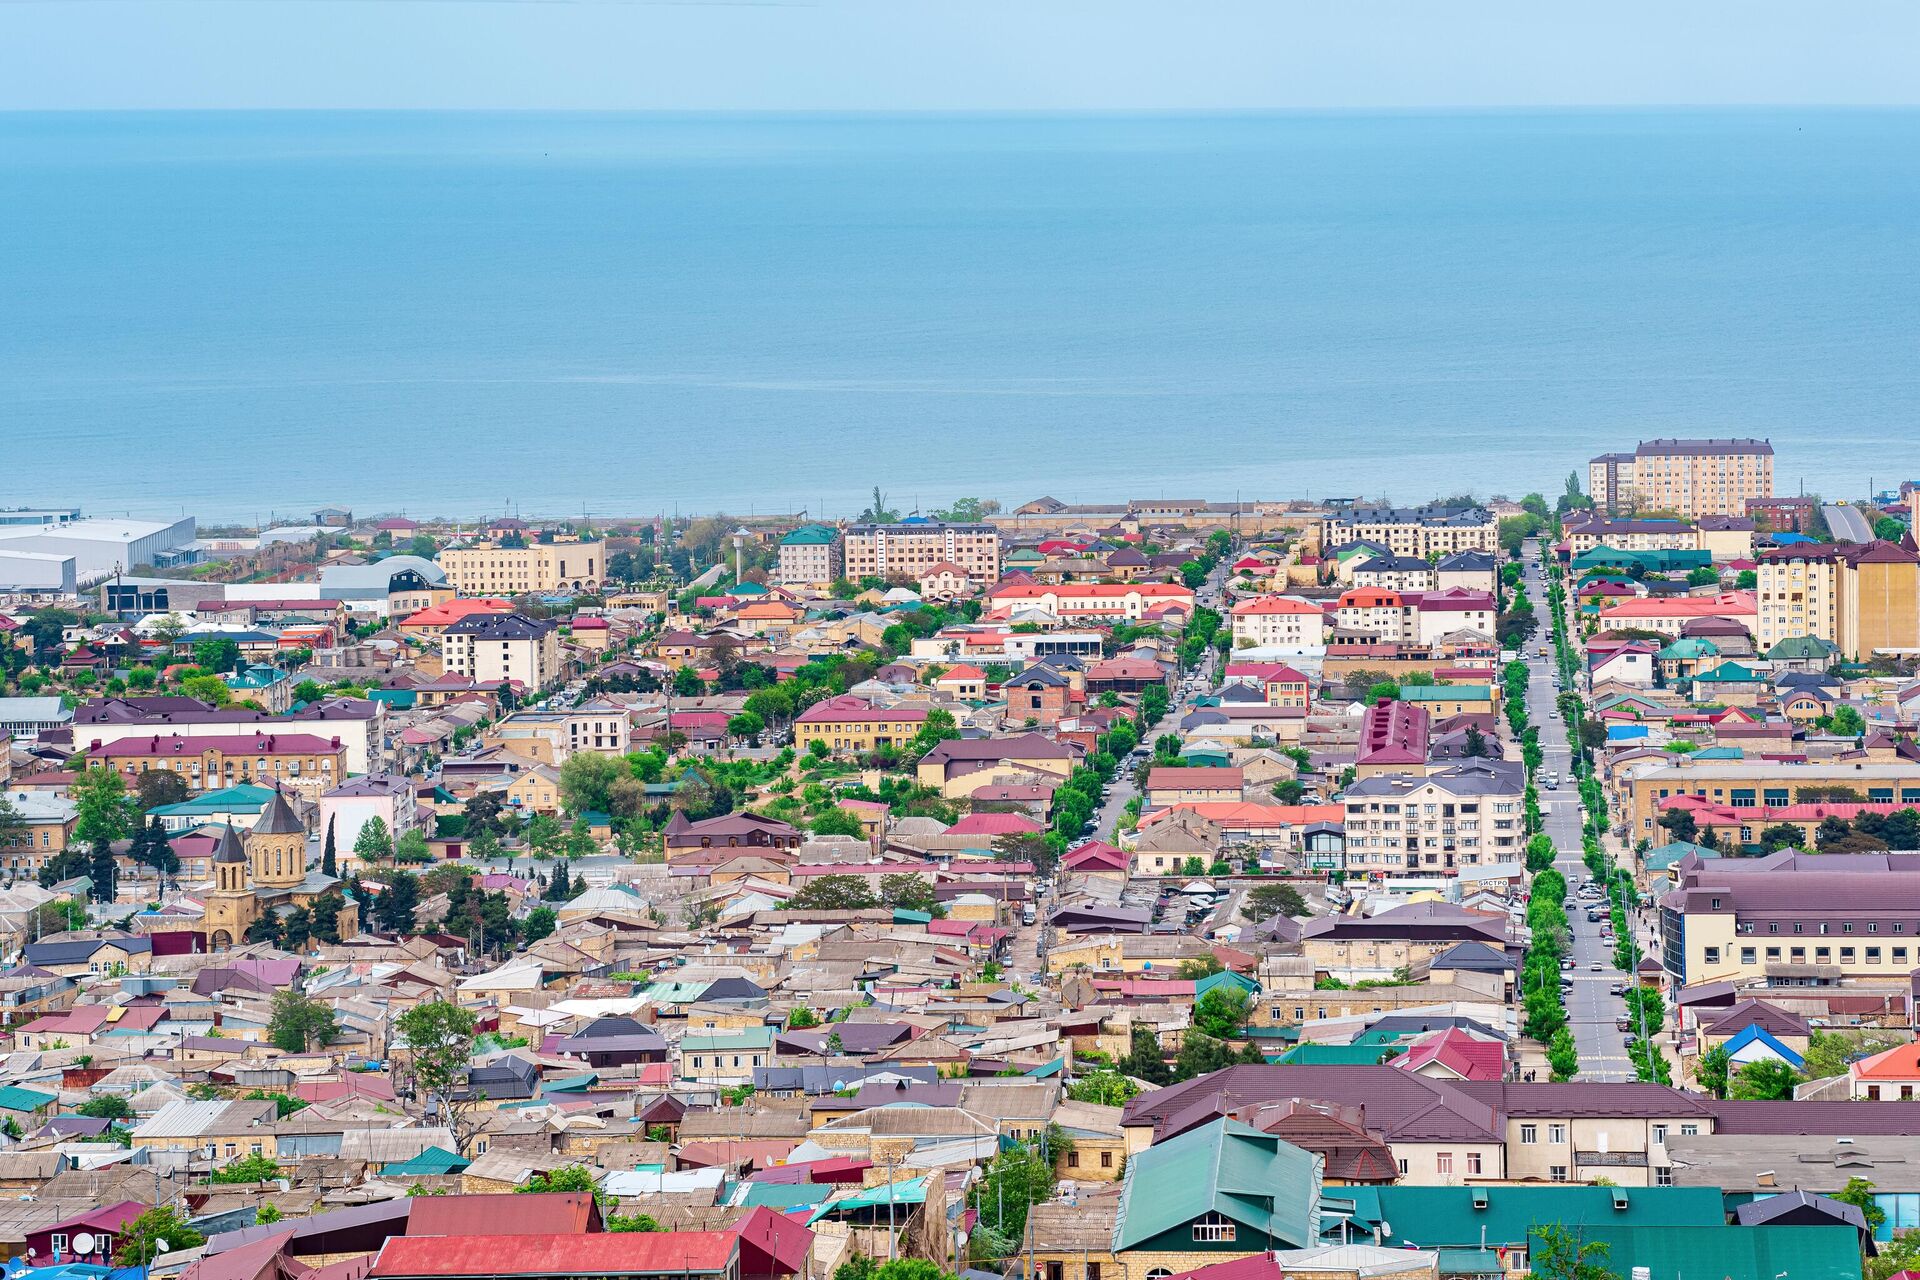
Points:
[(83, 1243)]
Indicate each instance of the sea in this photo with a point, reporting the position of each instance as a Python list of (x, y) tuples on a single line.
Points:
[(247, 316)]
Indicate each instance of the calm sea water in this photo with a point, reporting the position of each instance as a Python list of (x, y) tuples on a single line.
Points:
[(259, 313)]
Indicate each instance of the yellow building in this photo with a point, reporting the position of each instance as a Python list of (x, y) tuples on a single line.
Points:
[(1757, 784), (487, 568), (1863, 598), (848, 724), (262, 872), (1691, 478)]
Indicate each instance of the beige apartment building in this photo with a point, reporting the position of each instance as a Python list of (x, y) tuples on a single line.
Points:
[(1691, 478), (489, 569), (1466, 815), (551, 737), (913, 548), (1427, 532), (492, 647), (1755, 784), (809, 557), (1863, 598)]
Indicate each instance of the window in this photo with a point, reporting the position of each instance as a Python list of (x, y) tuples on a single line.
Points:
[(1403, 1167), (1713, 955), (1663, 1175), (1557, 1173), (1106, 1159), (1556, 1133), (1213, 1229), (1689, 1130), (1073, 1159), (1659, 1135), (1473, 1162), (1443, 1162), (59, 1243), (1529, 1134)]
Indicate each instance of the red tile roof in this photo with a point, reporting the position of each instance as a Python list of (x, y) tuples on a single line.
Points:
[(625, 1253)]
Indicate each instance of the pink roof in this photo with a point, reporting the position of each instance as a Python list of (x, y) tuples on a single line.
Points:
[(845, 708), (1457, 1052), (1096, 856), (1266, 672), (237, 744), (1729, 603), (599, 1253), (1274, 604), (1095, 591), (995, 824)]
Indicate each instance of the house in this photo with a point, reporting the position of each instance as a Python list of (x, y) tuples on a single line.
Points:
[(1038, 696), (502, 647), (962, 681), (90, 1238), (945, 581), (725, 1057), (1220, 1191), (1278, 622), (960, 766), (601, 1255), (727, 831), (1891, 1074), (849, 724), (1173, 784)]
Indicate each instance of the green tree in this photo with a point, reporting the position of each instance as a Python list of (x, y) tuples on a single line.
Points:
[(216, 654), (107, 1106), (834, 893), (103, 813), (438, 1038), (800, 1018), (158, 1230), (1222, 1012), (837, 822), (1144, 1059), (571, 1177), (1769, 1079), (394, 908), (248, 1169), (267, 1214), (1289, 790), (1713, 1069), (299, 1024), (1847, 722), (155, 787), (633, 1222), (375, 842), (412, 848), (1107, 1088), (1563, 1057), (908, 892), (540, 923), (586, 780), (329, 857), (1859, 1193), (1888, 529), (1560, 1254), (1829, 1052), (1276, 900)]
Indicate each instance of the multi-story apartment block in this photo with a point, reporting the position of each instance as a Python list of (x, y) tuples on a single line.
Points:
[(913, 547), (488, 568), (1643, 795), (1863, 597), (809, 557), (551, 737), (1690, 478), (1623, 534), (1430, 532), (1391, 616), (850, 724), (1278, 621), (492, 647), (1463, 816), (1098, 601), (1792, 917), (305, 762)]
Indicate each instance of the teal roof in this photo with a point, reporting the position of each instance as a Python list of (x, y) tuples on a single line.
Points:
[(255, 678), (569, 1084), (809, 535), (1225, 1167), (747, 1039), (226, 800), (1803, 647), (1729, 1253), (1663, 856), (1730, 672), (782, 1195), (903, 916), (1335, 1055), (1718, 753), (1047, 1070), (398, 699), (1225, 978), (434, 1161), (1439, 1217), (1688, 649), (15, 1098), (911, 1191), (1443, 692), (676, 992)]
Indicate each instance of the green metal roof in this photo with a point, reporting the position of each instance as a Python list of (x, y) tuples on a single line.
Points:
[(1225, 978), (1443, 692), (1689, 648), (1802, 647), (1664, 856), (1335, 1055), (1728, 672), (226, 800), (903, 916), (782, 1195), (434, 1161), (809, 535), (1439, 1217), (748, 1039), (1227, 1168), (1729, 1253), (15, 1098), (570, 1084), (911, 1191)]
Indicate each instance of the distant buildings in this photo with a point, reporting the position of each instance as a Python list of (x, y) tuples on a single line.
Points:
[(808, 557), (1863, 598), (1690, 478), (492, 647), (1424, 532), (537, 567)]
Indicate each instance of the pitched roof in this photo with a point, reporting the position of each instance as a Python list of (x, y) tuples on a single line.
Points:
[(1255, 1179)]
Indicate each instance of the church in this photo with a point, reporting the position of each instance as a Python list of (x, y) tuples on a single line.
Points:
[(266, 871)]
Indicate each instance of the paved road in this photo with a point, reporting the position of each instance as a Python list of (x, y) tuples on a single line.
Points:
[(1847, 524), (1591, 1009)]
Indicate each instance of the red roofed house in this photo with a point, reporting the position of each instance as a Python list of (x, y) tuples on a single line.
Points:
[(850, 724), (962, 681), (1278, 620), (605, 1255), (88, 1237), (304, 762), (990, 825), (1452, 1054), (1892, 1074), (430, 622), (1096, 858), (1284, 686), (1394, 738), (945, 581), (1175, 784), (1124, 675), (1086, 601)]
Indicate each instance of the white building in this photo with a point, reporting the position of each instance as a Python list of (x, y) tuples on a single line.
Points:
[(102, 547), (1267, 621)]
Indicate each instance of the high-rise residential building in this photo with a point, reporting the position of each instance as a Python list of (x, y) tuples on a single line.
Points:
[(911, 548), (493, 569), (1864, 597), (809, 557), (1690, 478), (492, 647)]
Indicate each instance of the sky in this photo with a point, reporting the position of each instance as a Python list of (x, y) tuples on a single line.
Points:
[(927, 55)]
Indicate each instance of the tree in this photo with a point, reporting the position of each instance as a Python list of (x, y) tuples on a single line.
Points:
[(1563, 1057), (107, 1106), (1713, 1069), (1222, 1012), (151, 848), (878, 512), (1846, 722), (1829, 1052), (560, 887), (1769, 1079), (1560, 1254), (586, 779), (329, 860), (571, 1177), (1859, 1193), (540, 923), (299, 1024), (838, 822), (801, 1018), (633, 1222), (906, 891), (1107, 1088), (267, 1214), (1143, 1059), (1680, 824), (1888, 529), (103, 814), (155, 787), (394, 909), (160, 1229), (1289, 790), (938, 727), (834, 893), (1902, 1253), (1276, 900), (375, 842), (243, 1170), (216, 654), (412, 848), (1781, 835), (439, 1041)]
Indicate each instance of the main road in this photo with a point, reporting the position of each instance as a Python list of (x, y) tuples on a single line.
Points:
[(1592, 1008), (1847, 524)]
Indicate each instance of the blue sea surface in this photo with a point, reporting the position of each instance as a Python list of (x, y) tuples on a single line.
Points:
[(239, 315)]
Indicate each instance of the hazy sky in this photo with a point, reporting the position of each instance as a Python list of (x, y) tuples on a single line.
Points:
[(960, 54)]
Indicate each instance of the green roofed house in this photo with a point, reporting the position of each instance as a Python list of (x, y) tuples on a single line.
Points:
[(1728, 681), (25, 1101), (1506, 1217), (725, 1057), (1721, 1252), (238, 807), (809, 557), (434, 1162), (1338, 1055), (1659, 860), (1222, 1189)]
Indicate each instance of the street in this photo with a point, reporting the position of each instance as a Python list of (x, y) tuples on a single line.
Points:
[(1591, 1011), (1846, 523)]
